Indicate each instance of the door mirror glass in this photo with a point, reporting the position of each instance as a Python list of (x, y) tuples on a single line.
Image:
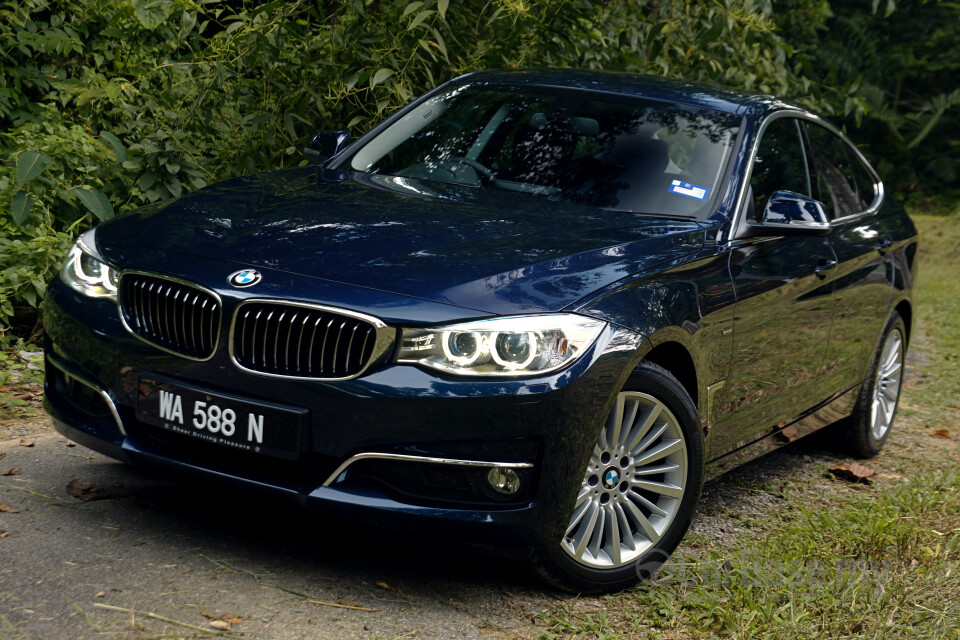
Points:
[(789, 213), (327, 144)]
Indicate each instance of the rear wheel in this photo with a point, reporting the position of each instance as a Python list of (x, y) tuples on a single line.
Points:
[(638, 492), (868, 427)]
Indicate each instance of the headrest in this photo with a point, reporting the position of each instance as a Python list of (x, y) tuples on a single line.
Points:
[(576, 125)]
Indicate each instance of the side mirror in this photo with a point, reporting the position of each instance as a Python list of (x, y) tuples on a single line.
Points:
[(791, 214), (327, 144)]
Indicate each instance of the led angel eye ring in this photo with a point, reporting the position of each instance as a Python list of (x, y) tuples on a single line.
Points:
[(533, 341), (462, 360)]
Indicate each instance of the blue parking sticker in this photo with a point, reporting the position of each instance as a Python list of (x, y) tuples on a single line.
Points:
[(690, 190)]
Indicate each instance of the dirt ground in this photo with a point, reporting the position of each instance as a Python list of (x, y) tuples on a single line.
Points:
[(155, 556)]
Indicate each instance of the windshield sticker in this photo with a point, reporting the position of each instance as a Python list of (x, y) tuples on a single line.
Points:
[(690, 190)]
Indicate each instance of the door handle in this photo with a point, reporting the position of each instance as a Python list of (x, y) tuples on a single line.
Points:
[(883, 245), (824, 266)]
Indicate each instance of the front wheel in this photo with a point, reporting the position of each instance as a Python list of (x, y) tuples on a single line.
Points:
[(638, 492)]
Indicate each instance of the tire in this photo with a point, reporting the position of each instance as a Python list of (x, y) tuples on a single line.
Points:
[(648, 512), (864, 432)]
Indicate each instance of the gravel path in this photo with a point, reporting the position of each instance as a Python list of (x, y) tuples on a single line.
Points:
[(170, 548), (205, 558)]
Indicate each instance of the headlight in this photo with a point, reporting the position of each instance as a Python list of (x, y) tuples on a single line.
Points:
[(512, 346), (86, 272)]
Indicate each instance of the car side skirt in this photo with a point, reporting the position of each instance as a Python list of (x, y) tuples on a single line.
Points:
[(825, 415)]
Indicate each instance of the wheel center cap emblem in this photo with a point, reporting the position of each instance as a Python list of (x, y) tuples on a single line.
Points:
[(245, 278), (611, 478)]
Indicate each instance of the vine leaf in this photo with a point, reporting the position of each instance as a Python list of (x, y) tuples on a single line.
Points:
[(20, 208), (95, 201), (117, 145), (30, 164), (152, 13), (380, 76)]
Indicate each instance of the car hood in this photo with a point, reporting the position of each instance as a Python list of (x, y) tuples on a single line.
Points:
[(483, 249)]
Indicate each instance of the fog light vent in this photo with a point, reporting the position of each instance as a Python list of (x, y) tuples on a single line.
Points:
[(504, 480)]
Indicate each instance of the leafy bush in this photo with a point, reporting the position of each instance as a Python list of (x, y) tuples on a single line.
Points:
[(111, 104)]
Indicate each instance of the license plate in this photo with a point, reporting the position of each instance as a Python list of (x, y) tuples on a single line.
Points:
[(225, 420)]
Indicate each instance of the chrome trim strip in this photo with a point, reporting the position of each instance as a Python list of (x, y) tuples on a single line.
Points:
[(409, 458), (386, 336), (92, 385), (187, 283), (803, 115)]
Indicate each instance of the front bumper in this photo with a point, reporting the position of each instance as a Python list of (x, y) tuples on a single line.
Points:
[(366, 437)]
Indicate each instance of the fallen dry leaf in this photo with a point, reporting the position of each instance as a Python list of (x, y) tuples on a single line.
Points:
[(853, 472), (101, 594), (227, 617), (789, 434), (5, 508), (71, 444), (12, 472), (27, 443), (220, 625), (940, 433), (85, 491), (3, 534), (382, 585)]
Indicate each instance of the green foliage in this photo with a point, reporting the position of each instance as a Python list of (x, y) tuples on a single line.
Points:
[(107, 105), (899, 62), (111, 104)]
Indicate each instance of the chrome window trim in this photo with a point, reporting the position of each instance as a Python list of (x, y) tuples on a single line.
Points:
[(92, 385), (739, 210), (187, 283), (386, 336), (410, 458)]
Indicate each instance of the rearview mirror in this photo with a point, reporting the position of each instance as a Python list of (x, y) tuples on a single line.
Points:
[(788, 214), (327, 144)]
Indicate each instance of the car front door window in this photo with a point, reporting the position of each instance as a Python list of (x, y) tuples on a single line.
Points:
[(780, 165)]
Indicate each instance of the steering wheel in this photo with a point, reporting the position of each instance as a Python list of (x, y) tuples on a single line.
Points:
[(485, 174)]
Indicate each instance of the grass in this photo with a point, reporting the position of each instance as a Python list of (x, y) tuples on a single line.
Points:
[(828, 558), (21, 380), (937, 393)]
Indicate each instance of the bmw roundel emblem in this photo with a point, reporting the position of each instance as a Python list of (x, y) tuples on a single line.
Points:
[(245, 278), (611, 478)]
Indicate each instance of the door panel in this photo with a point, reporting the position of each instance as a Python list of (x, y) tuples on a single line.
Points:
[(863, 288), (781, 329), (784, 289), (864, 281)]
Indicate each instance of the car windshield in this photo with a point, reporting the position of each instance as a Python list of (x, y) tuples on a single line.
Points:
[(629, 154)]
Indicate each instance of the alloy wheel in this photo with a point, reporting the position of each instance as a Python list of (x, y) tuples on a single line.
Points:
[(886, 388), (633, 485)]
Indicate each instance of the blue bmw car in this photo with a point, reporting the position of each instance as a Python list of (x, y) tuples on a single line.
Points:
[(531, 308)]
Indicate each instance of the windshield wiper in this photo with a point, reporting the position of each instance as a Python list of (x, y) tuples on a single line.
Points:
[(665, 216)]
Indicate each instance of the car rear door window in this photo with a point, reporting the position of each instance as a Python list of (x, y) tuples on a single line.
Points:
[(835, 185), (780, 164)]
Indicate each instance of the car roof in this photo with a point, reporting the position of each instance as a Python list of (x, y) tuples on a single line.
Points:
[(700, 94)]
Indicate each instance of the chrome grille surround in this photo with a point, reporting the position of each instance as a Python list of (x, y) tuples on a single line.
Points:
[(303, 334), (191, 314)]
